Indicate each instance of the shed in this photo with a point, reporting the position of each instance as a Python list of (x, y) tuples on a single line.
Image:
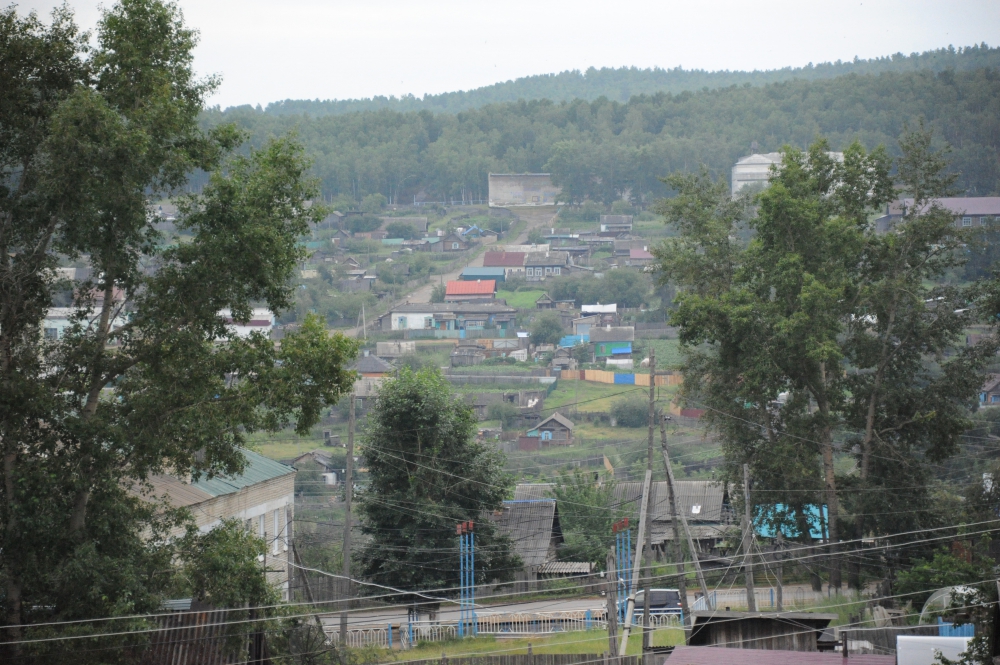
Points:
[(782, 631), (372, 366), (704, 502), (532, 524)]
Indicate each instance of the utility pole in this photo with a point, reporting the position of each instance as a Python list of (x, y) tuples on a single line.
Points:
[(630, 607), (779, 573), (678, 547), (748, 541), (348, 492), (611, 591), (647, 583)]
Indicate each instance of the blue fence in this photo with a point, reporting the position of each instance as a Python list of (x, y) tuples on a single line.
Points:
[(625, 379), (947, 629)]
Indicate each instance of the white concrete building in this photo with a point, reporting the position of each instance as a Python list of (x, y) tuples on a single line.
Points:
[(756, 169), (261, 320)]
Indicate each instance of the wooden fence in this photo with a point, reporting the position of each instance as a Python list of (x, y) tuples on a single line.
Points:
[(620, 378), (201, 638)]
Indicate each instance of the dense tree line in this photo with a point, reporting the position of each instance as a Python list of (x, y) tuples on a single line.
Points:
[(604, 150), (623, 83)]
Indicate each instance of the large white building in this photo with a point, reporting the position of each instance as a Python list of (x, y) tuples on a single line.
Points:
[(756, 169)]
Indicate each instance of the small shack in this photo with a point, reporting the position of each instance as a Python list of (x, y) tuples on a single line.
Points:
[(466, 354), (556, 429), (782, 631)]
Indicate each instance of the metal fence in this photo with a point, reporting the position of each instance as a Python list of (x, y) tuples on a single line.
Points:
[(407, 635)]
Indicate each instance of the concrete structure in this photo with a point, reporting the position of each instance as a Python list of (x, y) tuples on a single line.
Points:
[(522, 189), (755, 169), (968, 211), (262, 497)]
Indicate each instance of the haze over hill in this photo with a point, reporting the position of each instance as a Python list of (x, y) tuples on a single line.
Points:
[(623, 83)]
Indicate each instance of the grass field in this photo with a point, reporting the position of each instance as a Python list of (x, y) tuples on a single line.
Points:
[(589, 641), (525, 299)]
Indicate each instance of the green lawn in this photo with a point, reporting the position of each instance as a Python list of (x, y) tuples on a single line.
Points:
[(520, 299)]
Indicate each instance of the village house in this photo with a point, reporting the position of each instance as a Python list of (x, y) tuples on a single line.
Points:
[(968, 211), (539, 265), (613, 344), (451, 316), (608, 314), (616, 223), (639, 258), (545, 302), (262, 498), (478, 291), (452, 242), (467, 353), (989, 394), (556, 429), (511, 262)]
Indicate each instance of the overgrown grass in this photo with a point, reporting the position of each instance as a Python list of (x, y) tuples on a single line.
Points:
[(520, 299)]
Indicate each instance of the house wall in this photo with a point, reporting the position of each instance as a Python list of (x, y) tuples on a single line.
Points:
[(277, 494), (414, 321)]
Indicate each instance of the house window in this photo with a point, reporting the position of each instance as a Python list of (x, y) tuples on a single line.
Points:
[(454, 245), (548, 271), (546, 436), (51, 333), (983, 221), (966, 221), (994, 399), (428, 322), (531, 272), (260, 526), (401, 323), (274, 546), (555, 271)]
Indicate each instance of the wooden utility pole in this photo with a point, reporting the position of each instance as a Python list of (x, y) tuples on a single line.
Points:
[(779, 594), (748, 541), (699, 573), (348, 493), (630, 607), (611, 591), (678, 547), (647, 582)]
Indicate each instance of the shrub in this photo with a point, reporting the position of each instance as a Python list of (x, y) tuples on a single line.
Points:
[(631, 412)]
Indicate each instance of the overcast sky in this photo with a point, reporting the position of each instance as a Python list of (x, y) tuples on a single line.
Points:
[(340, 49)]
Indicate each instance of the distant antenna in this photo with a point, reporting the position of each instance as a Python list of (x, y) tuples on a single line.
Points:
[(753, 148)]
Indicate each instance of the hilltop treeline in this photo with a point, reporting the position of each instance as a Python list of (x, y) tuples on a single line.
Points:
[(622, 84), (604, 150)]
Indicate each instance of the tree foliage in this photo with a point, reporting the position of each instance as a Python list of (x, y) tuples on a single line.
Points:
[(602, 149), (427, 474), (149, 378), (819, 334), (546, 329), (585, 516)]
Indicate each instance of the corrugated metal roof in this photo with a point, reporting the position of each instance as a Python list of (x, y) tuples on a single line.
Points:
[(477, 288), (701, 500), (176, 492), (259, 469), (531, 525), (372, 365), (525, 491), (481, 273), (558, 418), (503, 259), (565, 568), (684, 655)]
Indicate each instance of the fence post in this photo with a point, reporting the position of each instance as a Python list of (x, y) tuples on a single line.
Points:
[(389, 633)]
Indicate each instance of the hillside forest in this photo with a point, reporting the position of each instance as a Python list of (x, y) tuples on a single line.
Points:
[(605, 150)]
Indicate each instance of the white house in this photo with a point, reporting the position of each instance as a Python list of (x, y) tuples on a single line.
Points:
[(756, 168), (261, 320)]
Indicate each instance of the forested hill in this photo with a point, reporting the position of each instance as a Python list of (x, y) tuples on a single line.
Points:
[(621, 84), (604, 149)]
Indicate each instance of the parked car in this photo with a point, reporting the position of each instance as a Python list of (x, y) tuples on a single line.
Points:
[(661, 601)]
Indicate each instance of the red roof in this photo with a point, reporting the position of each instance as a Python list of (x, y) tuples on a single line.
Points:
[(503, 260), (477, 288), (639, 254), (724, 656)]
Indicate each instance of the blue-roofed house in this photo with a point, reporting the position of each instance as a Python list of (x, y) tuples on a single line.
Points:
[(262, 497), (471, 274)]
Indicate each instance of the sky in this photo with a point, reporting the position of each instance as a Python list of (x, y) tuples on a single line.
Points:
[(346, 49)]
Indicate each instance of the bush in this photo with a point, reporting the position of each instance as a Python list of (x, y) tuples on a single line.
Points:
[(505, 412), (631, 412), (438, 292), (363, 223), (373, 203), (401, 230), (546, 329)]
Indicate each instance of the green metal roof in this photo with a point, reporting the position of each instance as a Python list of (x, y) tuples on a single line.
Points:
[(258, 470)]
